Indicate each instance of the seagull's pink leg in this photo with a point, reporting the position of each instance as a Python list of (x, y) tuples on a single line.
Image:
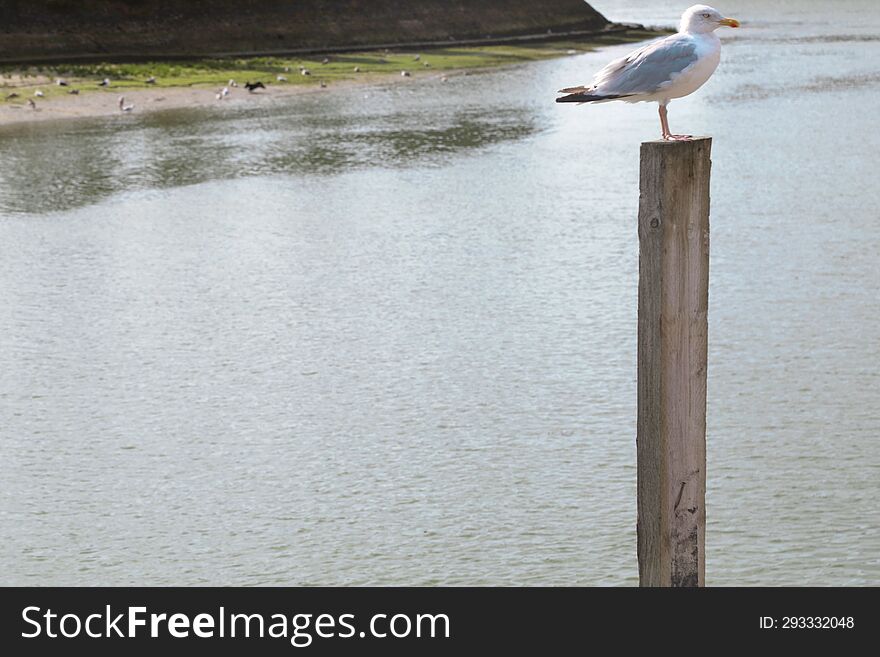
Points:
[(664, 127)]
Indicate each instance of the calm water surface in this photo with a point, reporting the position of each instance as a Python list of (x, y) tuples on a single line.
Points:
[(387, 335)]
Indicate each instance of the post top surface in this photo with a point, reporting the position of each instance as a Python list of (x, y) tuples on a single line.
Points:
[(665, 142)]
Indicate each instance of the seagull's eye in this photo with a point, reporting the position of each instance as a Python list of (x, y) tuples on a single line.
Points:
[(707, 15)]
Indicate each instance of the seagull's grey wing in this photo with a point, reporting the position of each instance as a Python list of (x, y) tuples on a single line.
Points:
[(649, 68)]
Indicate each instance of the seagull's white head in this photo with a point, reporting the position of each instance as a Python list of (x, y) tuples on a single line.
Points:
[(702, 19)]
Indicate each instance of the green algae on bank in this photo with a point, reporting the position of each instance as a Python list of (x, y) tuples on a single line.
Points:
[(283, 71)]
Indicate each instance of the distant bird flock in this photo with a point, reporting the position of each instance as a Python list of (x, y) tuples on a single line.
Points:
[(221, 94)]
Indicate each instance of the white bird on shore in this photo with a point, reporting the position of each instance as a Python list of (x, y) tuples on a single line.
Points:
[(305, 71), (104, 83), (232, 83), (223, 93), (151, 79), (61, 82), (281, 78), (404, 74), (123, 107), (665, 69), (39, 94)]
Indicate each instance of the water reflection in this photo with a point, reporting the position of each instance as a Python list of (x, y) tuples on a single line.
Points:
[(52, 167)]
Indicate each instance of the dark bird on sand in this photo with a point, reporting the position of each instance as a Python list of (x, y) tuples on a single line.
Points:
[(251, 86), (74, 92), (31, 103), (11, 96)]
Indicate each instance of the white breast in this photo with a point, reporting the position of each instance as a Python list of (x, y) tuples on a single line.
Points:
[(695, 76)]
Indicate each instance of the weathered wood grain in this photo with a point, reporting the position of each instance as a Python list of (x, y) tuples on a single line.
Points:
[(672, 360)]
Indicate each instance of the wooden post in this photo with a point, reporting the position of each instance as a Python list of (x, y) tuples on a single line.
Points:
[(672, 355)]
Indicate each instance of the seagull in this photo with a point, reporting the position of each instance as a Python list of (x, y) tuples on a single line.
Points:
[(404, 74), (233, 83), (61, 82), (104, 83), (123, 107), (305, 71), (281, 78), (357, 69), (326, 60), (668, 68), (223, 93), (151, 79)]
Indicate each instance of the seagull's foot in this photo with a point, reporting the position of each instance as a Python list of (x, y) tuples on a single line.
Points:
[(678, 137)]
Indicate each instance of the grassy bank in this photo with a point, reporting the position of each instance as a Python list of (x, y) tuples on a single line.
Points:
[(280, 71)]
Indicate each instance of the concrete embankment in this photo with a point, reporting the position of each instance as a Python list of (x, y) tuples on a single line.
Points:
[(34, 31)]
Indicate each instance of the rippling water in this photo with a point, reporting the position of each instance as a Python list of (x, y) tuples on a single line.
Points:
[(387, 335)]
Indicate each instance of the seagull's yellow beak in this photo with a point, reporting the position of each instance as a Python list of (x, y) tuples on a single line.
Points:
[(729, 22)]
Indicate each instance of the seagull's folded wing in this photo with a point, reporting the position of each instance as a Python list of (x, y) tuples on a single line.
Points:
[(648, 69)]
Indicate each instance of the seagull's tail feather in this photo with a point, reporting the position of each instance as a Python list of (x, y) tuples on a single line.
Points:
[(583, 95)]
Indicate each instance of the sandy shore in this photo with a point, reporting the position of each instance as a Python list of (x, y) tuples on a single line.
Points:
[(104, 103)]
